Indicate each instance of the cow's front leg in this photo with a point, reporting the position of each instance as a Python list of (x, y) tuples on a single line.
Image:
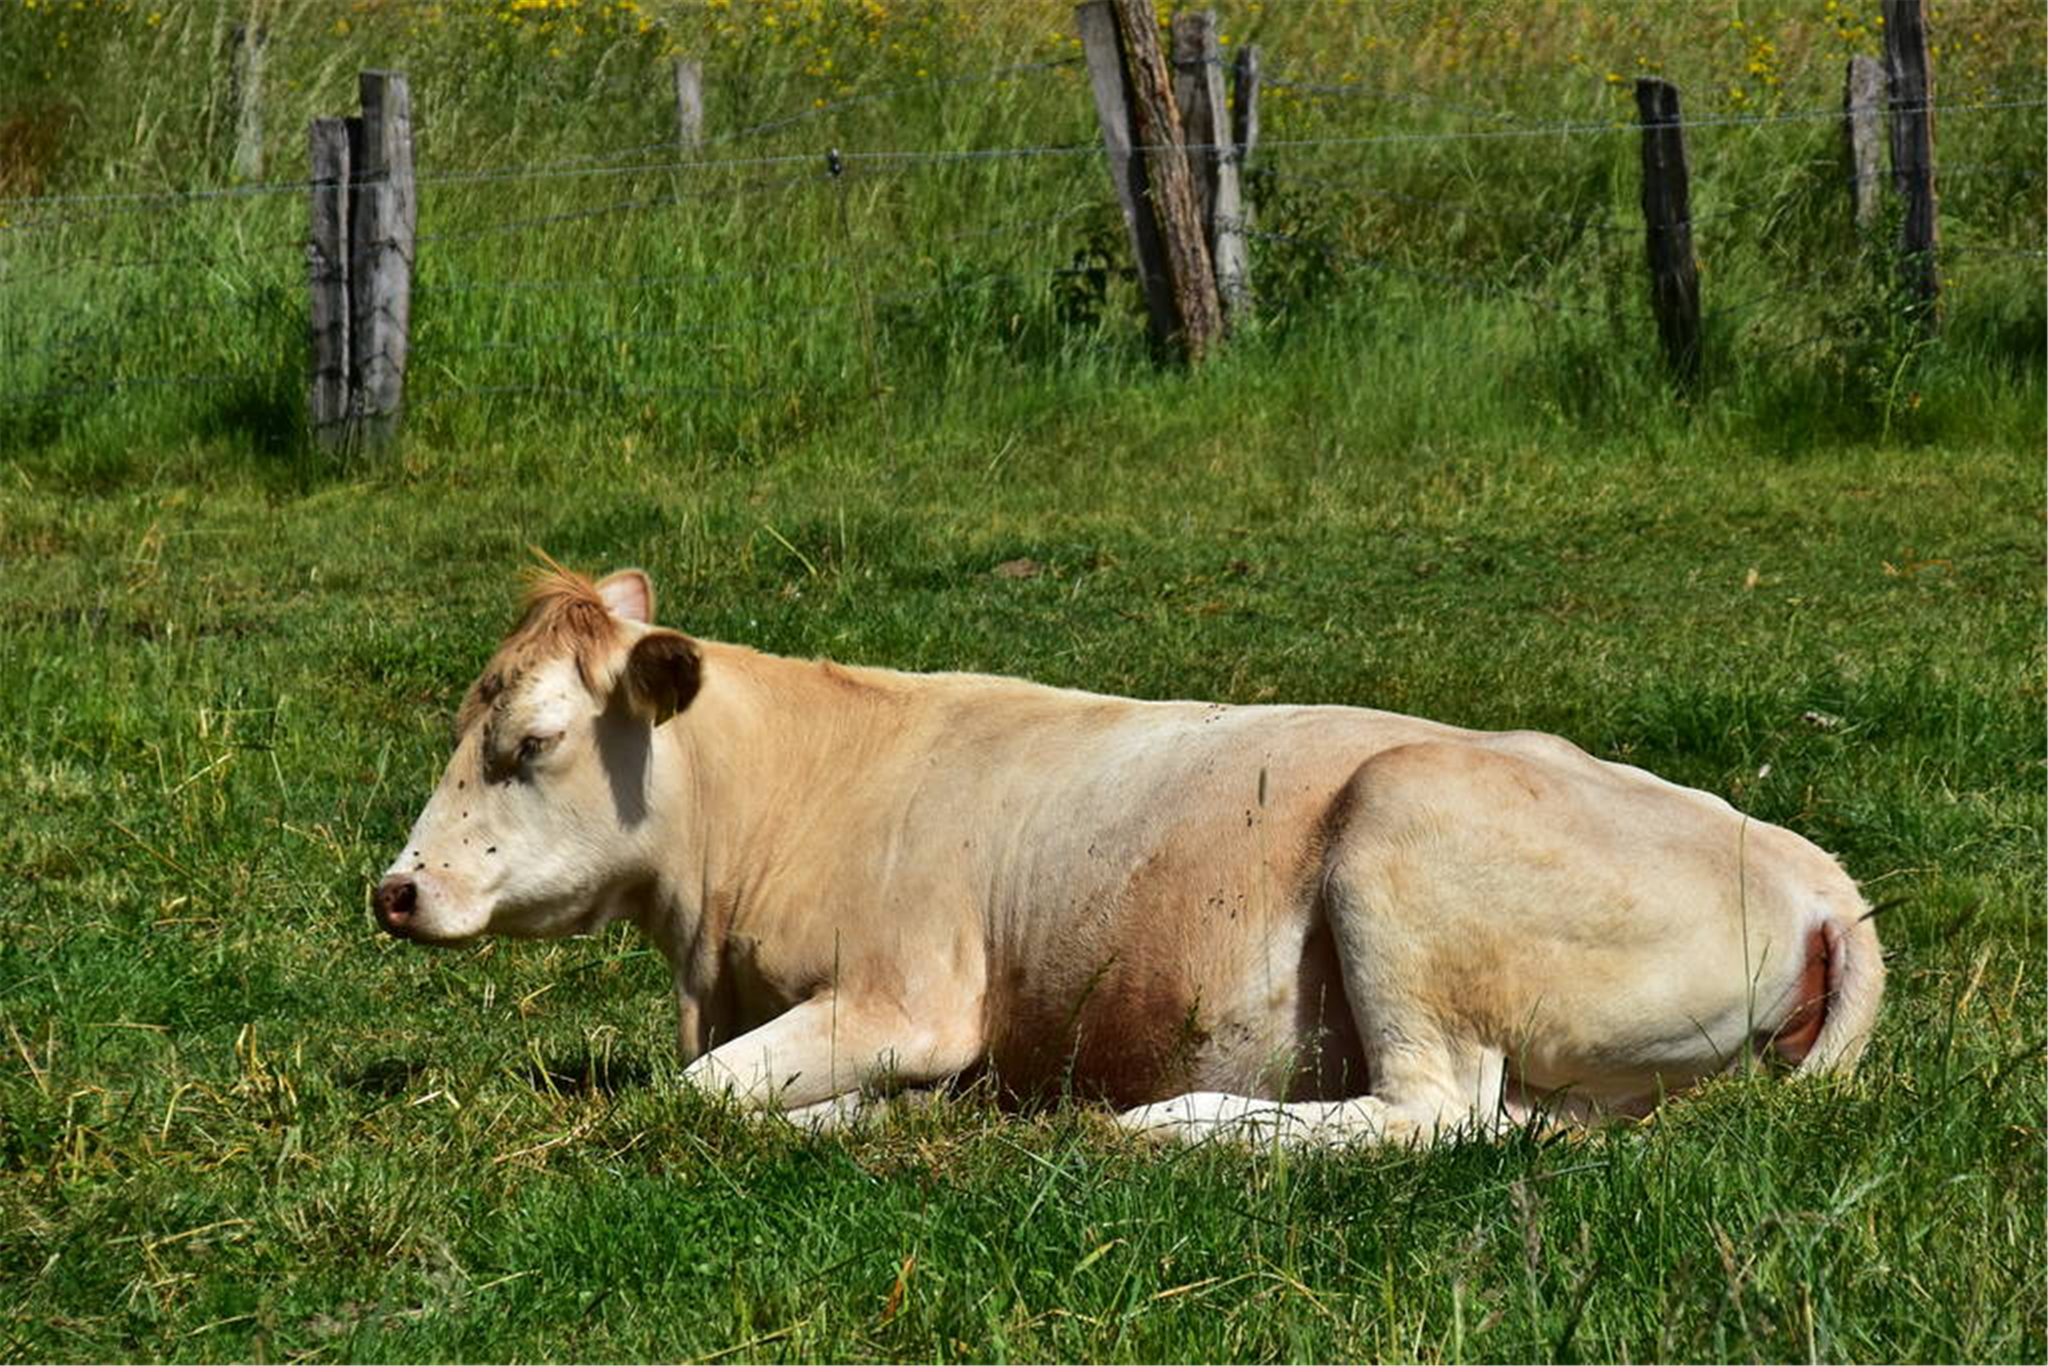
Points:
[(829, 1046)]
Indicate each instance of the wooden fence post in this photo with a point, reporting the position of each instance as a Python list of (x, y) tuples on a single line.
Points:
[(1912, 136), (380, 255), (1862, 130), (1244, 105), (327, 253), (689, 80), (245, 81), (1212, 154), (1667, 220), (1104, 53), (1189, 270), (1149, 166)]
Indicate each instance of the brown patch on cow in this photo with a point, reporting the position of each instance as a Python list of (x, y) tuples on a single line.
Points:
[(1109, 1036), (1795, 1038), (1137, 1028), (1138, 1031)]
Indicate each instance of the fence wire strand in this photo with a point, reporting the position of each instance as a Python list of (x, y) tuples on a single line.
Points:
[(694, 177)]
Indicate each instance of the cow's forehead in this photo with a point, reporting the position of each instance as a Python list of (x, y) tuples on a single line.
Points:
[(518, 686)]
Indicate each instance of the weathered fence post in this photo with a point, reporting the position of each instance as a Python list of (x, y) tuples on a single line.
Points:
[(245, 88), (1862, 131), (1667, 221), (1244, 105), (689, 81), (1141, 131), (1212, 154), (1189, 269), (1194, 39), (1103, 50), (380, 254), (359, 266), (1912, 137), (327, 252)]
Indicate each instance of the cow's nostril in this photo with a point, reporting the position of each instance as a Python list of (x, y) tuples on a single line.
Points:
[(397, 896)]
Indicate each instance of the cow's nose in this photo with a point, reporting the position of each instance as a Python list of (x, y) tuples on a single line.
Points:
[(397, 896)]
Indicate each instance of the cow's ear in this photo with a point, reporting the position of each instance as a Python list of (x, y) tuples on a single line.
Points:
[(663, 670), (628, 594)]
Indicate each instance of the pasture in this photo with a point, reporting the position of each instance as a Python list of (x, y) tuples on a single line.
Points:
[(236, 1122)]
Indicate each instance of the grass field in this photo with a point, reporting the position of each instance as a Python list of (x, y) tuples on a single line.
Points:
[(236, 1122)]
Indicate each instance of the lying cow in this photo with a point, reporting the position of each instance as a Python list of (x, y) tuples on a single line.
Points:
[(1323, 924)]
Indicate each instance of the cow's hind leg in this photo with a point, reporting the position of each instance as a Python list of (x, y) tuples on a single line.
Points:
[(1390, 890)]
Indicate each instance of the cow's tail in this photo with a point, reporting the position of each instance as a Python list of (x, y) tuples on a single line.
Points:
[(1851, 964)]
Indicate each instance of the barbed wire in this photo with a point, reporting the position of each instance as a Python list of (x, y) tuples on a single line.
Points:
[(605, 210), (1093, 148), (1581, 128), (128, 314), (567, 165), (700, 164), (890, 92), (876, 162), (1314, 85), (1320, 85), (847, 158), (604, 162), (1358, 185), (599, 282)]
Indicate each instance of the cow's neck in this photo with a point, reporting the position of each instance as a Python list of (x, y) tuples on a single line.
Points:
[(766, 741)]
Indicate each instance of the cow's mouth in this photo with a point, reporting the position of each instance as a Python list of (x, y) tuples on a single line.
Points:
[(400, 915)]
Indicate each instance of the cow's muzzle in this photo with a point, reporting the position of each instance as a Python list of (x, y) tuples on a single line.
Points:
[(398, 897)]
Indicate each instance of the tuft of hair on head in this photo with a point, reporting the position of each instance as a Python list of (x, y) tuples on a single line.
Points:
[(562, 613)]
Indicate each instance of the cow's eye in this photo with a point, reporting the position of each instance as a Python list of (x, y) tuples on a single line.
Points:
[(531, 747)]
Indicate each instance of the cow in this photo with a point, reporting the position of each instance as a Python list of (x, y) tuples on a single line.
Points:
[(1319, 925)]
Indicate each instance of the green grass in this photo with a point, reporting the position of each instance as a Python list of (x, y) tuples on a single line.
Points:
[(236, 1122)]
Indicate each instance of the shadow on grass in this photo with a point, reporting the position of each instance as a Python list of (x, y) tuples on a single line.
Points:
[(384, 1077), (587, 1074), (268, 414), (581, 1074)]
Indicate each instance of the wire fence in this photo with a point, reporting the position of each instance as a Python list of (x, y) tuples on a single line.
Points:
[(1033, 234)]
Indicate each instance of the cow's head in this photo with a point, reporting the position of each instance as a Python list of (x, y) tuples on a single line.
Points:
[(544, 822)]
